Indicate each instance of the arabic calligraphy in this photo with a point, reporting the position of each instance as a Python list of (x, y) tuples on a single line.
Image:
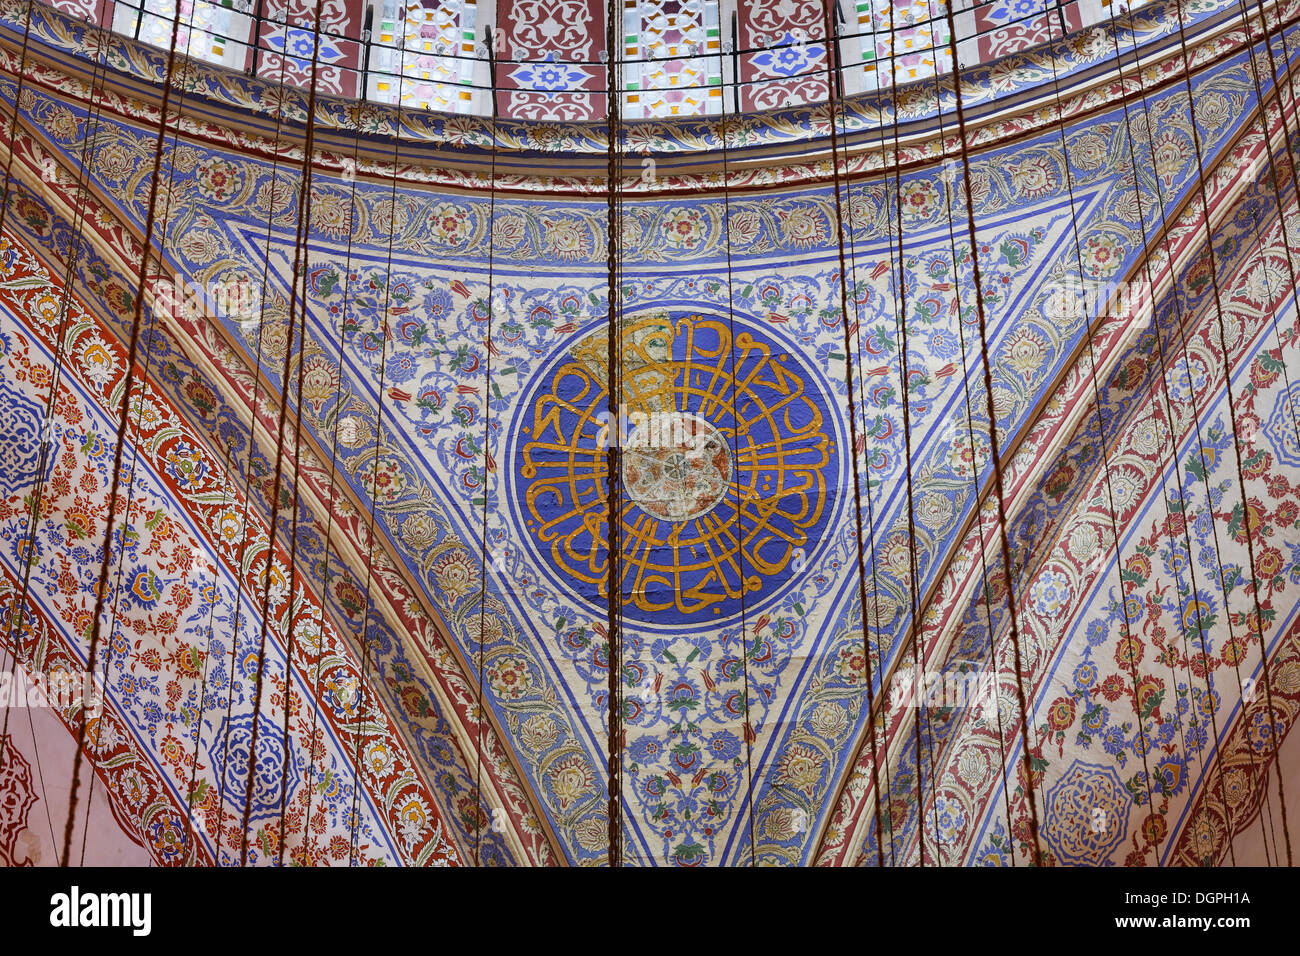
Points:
[(726, 465)]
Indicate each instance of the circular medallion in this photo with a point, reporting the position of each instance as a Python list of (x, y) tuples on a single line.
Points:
[(729, 462), (676, 466)]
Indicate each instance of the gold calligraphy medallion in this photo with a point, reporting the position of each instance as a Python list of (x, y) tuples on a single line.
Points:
[(727, 462)]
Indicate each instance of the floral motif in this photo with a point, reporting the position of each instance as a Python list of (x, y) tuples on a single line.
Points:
[(539, 733), (571, 780), (449, 224), (683, 228), (218, 179), (1051, 593), (509, 677), (801, 767), (802, 226), (1034, 177), (565, 238)]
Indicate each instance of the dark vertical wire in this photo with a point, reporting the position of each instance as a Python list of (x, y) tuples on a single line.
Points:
[(1286, 126), (1237, 664), (124, 420), (487, 454), (1209, 501), (1101, 428), (188, 848), (363, 632), (74, 250), (949, 186), (871, 515), (879, 753), (1269, 295), (291, 604), (1288, 141), (1205, 653), (300, 257), (1232, 410), (295, 507), (12, 128), (334, 449), (995, 454), (305, 227), (918, 632), (614, 590), (239, 568), (915, 629), (1184, 314), (1167, 406), (857, 407), (1268, 291), (1290, 85), (735, 460), (144, 378), (1264, 121), (1286, 245), (290, 622)]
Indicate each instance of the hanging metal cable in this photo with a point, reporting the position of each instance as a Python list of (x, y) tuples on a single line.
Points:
[(480, 739), (1182, 317), (724, 126), (363, 630), (913, 632), (303, 248), (336, 413), (1087, 320), (149, 338), (849, 353), (986, 593), (304, 215), (241, 563), (37, 501), (190, 840), (1162, 376), (1262, 116), (995, 454), (123, 421), (1258, 618), (613, 501)]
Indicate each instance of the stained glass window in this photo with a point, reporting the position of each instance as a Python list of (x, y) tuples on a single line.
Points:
[(672, 64), (677, 57), (902, 41), (424, 53), (216, 32)]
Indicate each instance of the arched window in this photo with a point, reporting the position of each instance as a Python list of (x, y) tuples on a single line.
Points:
[(213, 31), (423, 51), (678, 58), (672, 57), (903, 41)]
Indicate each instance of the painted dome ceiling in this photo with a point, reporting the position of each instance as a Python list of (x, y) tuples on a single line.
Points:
[(321, 488)]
